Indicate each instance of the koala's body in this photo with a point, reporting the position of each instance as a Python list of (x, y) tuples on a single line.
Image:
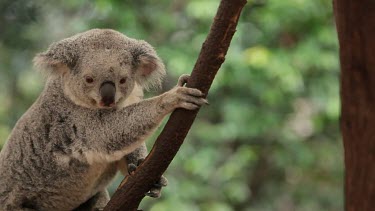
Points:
[(90, 117)]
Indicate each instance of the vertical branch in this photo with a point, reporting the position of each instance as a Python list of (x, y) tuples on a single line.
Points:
[(355, 21), (212, 55)]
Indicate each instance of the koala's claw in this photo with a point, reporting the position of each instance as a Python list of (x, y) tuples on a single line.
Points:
[(183, 79), (195, 100), (140, 161), (155, 191), (162, 182), (131, 168)]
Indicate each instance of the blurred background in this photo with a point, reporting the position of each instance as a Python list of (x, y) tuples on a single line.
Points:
[(269, 139)]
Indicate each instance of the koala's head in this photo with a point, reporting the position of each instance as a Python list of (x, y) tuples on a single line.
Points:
[(100, 68)]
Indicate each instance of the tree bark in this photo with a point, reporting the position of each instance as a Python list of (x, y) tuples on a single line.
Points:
[(132, 189), (356, 31)]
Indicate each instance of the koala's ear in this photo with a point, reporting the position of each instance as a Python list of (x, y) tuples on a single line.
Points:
[(59, 55), (149, 68)]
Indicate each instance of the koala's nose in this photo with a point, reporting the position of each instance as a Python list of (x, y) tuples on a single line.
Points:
[(107, 91)]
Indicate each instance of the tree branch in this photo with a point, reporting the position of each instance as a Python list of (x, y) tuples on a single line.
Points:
[(132, 189), (355, 22)]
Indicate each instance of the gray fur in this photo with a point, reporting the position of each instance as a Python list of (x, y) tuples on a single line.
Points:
[(66, 148)]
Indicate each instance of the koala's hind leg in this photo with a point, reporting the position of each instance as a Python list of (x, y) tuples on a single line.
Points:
[(95, 203), (136, 155), (132, 158), (130, 163), (155, 191)]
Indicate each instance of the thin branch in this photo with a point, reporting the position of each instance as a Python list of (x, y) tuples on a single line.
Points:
[(212, 55)]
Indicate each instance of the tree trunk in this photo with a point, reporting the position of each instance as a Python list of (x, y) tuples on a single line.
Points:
[(356, 31), (212, 55)]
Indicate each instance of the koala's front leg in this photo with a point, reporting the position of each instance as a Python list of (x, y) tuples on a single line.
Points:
[(125, 130)]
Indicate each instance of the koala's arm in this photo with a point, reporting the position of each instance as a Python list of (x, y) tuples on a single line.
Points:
[(114, 134)]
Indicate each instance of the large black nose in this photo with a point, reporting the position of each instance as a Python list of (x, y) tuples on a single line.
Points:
[(107, 92)]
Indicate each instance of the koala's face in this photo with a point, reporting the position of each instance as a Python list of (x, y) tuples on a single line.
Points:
[(100, 68), (102, 78)]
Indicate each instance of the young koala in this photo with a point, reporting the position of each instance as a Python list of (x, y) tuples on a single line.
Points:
[(68, 146)]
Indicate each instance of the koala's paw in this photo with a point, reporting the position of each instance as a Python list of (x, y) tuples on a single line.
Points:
[(189, 98), (155, 191), (184, 97)]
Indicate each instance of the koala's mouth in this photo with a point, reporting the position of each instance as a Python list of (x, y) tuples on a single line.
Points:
[(106, 105), (102, 105)]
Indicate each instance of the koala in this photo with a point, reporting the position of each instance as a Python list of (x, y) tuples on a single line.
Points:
[(89, 121)]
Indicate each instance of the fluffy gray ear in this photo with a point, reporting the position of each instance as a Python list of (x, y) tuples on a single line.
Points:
[(59, 54), (149, 68)]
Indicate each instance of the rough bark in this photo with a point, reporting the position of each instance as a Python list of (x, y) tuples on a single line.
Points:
[(212, 55), (356, 31)]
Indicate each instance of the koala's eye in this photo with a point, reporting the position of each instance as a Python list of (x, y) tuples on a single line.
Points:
[(122, 80), (89, 79)]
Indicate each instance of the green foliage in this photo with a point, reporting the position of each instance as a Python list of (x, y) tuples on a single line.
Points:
[(269, 139)]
